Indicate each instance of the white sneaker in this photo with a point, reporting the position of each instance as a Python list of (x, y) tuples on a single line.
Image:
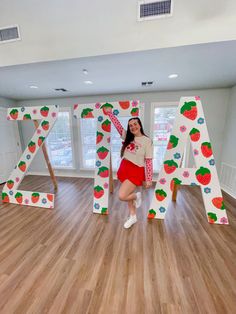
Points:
[(138, 201), (130, 221)]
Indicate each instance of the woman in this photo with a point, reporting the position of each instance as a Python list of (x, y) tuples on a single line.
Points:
[(136, 165)]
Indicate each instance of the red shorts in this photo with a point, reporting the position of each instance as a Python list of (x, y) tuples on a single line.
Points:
[(131, 172)]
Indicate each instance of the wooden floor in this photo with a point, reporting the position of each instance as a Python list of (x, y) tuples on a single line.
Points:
[(69, 260)]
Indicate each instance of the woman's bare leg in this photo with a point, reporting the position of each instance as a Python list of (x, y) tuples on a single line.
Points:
[(126, 193)]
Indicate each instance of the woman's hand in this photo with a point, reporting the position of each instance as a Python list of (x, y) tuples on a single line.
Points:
[(147, 184)]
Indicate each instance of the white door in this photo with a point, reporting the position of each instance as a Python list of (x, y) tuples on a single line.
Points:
[(10, 148)]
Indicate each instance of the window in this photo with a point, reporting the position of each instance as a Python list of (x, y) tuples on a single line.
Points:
[(88, 129), (59, 141), (162, 124)]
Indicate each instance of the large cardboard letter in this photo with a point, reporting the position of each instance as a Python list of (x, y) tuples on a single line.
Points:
[(190, 121), (10, 192), (103, 149)]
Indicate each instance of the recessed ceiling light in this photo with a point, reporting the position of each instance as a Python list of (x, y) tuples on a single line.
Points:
[(173, 76), (88, 82), (33, 86), (85, 71)]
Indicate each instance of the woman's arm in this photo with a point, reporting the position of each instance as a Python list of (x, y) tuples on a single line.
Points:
[(116, 123), (148, 172)]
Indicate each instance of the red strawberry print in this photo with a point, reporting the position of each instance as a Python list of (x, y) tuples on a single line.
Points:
[(45, 125), (160, 195), (98, 191), (189, 110), (5, 198), (31, 147), (10, 184), (41, 140), (44, 111), (173, 142), (50, 197), (134, 112), (22, 166), (35, 197), (203, 175), (87, 113), (103, 172), (19, 197), (102, 152), (151, 214), (106, 108), (212, 218), (27, 117), (106, 126), (206, 149), (124, 104), (218, 202), (174, 181), (14, 114), (76, 106), (194, 135), (170, 166), (99, 137)]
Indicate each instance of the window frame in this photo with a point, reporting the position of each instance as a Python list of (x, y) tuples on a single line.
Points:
[(81, 167), (69, 110), (170, 104)]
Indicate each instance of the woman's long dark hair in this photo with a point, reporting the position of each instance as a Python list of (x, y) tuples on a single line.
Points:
[(130, 136)]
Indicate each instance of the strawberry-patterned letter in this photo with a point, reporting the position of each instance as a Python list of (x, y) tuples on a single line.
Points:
[(10, 192), (190, 121)]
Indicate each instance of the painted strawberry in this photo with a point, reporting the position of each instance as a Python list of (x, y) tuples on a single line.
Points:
[(27, 116), (41, 140), (106, 126), (103, 172), (203, 175), (22, 166), (45, 125), (35, 197), (189, 110), (102, 152), (5, 198), (10, 184), (160, 195), (173, 182), (151, 214), (218, 202), (124, 104), (98, 191), (206, 149), (170, 166), (99, 137), (19, 197), (87, 113), (32, 147), (106, 106), (212, 218), (104, 211), (173, 142), (76, 106), (134, 112), (44, 111), (14, 114), (50, 197), (194, 135)]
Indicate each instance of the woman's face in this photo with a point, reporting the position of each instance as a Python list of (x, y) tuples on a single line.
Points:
[(134, 127)]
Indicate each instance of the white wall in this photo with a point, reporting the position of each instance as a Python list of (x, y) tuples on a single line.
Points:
[(229, 144), (6, 102), (61, 29), (214, 102)]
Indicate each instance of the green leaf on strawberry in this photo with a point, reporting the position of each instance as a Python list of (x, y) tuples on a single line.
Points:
[(5, 197), (151, 214), (106, 105), (27, 116), (170, 166), (212, 218), (14, 114), (203, 175), (134, 112), (103, 172), (104, 210), (160, 194), (194, 134)]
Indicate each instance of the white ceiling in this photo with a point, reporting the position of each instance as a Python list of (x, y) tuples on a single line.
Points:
[(210, 65)]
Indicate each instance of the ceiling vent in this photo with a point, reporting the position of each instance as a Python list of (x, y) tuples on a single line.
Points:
[(10, 33), (149, 9), (61, 90), (148, 83)]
